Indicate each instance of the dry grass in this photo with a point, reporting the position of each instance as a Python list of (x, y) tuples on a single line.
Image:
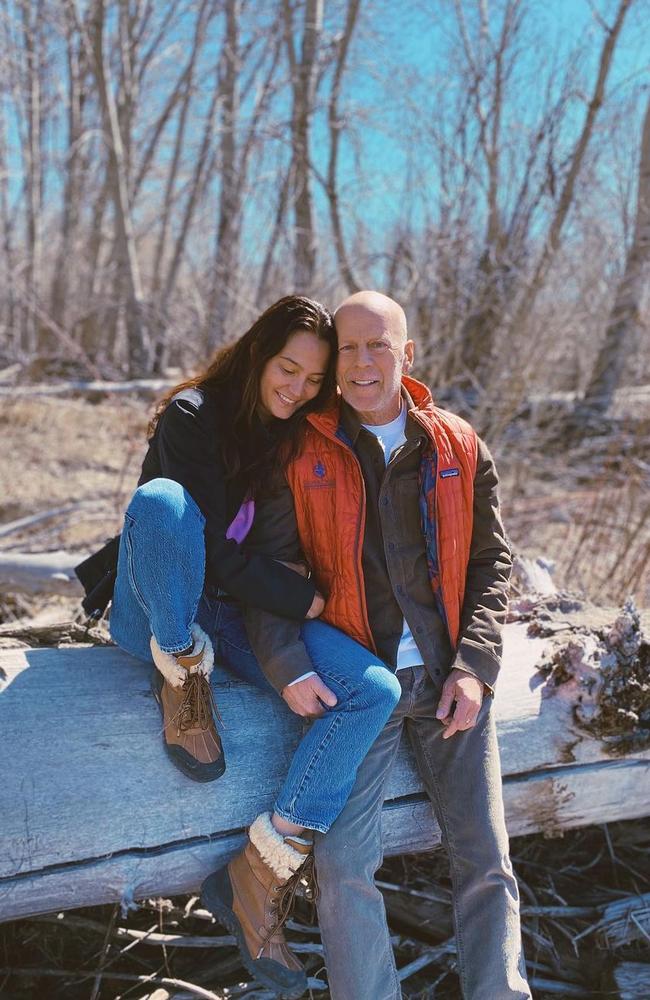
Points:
[(62, 451), (586, 508)]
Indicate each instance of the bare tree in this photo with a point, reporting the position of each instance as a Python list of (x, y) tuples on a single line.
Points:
[(74, 165), (119, 160), (303, 68), (336, 127), (238, 140), (624, 327), (32, 35)]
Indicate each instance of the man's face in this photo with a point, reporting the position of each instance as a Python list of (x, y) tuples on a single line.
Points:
[(373, 355)]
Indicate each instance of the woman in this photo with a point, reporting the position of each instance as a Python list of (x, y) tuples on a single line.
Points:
[(216, 440)]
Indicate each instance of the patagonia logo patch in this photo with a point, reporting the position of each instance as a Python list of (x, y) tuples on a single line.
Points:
[(449, 473), (319, 470)]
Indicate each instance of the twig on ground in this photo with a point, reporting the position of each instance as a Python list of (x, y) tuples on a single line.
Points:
[(105, 947)]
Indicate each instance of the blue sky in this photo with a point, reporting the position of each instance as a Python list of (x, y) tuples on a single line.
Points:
[(398, 69)]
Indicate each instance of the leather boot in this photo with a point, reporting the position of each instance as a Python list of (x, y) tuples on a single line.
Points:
[(181, 686), (253, 897)]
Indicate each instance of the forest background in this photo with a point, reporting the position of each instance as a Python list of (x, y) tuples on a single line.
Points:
[(167, 170)]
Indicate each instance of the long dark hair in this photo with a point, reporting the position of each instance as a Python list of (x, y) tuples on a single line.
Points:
[(235, 373)]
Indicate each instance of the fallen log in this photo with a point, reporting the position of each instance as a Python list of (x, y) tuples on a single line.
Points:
[(93, 812), (40, 572), (88, 387)]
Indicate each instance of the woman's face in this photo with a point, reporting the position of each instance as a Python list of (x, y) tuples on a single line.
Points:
[(294, 376)]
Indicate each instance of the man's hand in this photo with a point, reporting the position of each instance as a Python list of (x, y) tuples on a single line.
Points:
[(467, 691), (309, 697)]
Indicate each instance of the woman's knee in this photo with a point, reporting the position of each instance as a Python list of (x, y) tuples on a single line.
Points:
[(381, 687), (166, 504)]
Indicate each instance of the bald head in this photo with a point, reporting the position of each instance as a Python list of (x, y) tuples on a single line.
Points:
[(379, 305), (374, 353)]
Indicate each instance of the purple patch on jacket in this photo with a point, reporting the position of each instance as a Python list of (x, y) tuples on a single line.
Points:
[(242, 522)]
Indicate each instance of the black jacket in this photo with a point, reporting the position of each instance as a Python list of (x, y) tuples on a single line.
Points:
[(186, 448)]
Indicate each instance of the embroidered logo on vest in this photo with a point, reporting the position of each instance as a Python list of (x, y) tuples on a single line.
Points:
[(448, 473), (319, 470)]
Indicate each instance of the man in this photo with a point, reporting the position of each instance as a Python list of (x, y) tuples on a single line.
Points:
[(393, 504)]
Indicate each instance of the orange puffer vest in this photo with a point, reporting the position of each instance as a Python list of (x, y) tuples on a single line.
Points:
[(330, 501)]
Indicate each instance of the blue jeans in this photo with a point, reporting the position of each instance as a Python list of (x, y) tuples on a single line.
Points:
[(160, 590)]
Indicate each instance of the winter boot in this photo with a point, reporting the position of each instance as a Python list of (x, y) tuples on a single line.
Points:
[(253, 897), (181, 686)]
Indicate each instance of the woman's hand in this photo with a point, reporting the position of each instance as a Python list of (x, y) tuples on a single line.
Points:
[(297, 567), (317, 606)]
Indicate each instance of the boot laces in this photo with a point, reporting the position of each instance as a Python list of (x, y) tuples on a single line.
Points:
[(198, 705), (284, 897), (303, 878)]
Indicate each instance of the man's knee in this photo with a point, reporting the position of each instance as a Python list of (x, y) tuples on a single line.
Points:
[(341, 858)]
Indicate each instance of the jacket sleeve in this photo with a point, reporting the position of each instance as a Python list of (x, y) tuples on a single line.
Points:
[(488, 575), (277, 642), (189, 454)]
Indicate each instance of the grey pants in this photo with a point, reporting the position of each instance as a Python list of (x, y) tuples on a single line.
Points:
[(463, 780)]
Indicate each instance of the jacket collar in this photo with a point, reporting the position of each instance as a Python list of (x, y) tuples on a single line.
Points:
[(417, 396)]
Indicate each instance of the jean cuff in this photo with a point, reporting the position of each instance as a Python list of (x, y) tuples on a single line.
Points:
[(300, 820)]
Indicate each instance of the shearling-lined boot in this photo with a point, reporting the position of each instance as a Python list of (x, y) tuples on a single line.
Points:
[(181, 686), (253, 897)]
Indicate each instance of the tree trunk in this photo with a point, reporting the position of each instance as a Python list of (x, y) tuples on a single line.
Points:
[(125, 249), (552, 243), (8, 310), (55, 854), (303, 79), (31, 25), (77, 67), (335, 130), (624, 327), (225, 277)]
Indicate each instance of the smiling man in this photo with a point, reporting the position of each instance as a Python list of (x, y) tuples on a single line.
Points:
[(393, 503)]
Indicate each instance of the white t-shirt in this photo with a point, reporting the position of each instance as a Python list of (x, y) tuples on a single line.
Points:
[(390, 437)]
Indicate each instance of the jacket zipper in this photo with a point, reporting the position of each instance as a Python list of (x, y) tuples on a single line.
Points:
[(360, 522), (435, 494)]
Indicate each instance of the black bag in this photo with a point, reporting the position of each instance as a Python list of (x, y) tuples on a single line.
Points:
[(97, 575)]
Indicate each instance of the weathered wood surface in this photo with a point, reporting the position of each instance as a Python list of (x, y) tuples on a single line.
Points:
[(92, 811)]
